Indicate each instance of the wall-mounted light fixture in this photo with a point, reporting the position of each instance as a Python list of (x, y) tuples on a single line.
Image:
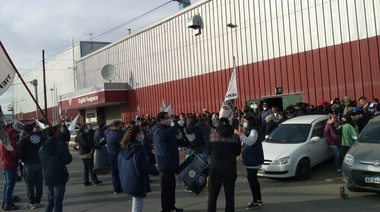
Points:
[(195, 23), (231, 25)]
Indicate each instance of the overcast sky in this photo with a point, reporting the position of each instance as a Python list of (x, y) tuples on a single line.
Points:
[(28, 27)]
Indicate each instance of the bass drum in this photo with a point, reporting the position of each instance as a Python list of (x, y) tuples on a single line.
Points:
[(101, 165)]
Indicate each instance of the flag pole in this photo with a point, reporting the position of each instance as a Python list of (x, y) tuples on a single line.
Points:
[(237, 87), (23, 82)]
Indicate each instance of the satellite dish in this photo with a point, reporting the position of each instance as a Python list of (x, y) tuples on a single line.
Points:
[(108, 72)]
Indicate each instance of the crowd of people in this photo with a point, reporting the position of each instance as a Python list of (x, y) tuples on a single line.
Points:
[(150, 146)]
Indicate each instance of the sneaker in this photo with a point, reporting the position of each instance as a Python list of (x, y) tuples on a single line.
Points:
[(11, 207), (32, 206), (87, 184), (339, 170), (177, 209), (117, 192), (252, 205), (188, 190), (98, 182)]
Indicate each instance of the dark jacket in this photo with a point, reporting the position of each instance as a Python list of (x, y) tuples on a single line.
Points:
[(223, 146), (134, 170), (253, 155), (54, 156), (199, 143), (99, 137), (85, 145), (65, 134), (28, 148), (166, 146), (113, 143)]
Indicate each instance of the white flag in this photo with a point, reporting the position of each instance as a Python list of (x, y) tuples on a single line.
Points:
[(228, 110), (41, 125), (73, 123), (163, 106), (232, 92), (169, 109), (60, 112), (7, 70)]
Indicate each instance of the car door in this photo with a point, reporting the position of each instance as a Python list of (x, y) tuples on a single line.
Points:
[(317, 143)]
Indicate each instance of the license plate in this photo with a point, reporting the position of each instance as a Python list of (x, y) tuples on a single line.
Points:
[(375, 180), (261, 171)]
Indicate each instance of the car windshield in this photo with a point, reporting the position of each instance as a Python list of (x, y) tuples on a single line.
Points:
[(289, 133), (370, 134)]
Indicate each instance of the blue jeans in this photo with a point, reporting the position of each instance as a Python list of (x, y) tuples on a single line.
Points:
[(55, 196), (87, 171), (9, 184), (336, 152)]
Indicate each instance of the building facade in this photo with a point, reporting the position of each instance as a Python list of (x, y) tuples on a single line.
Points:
[(286, 51)]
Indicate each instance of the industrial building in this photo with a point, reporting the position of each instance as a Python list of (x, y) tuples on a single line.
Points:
[(286, 51)]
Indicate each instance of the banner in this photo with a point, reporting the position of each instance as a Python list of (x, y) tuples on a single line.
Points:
[(17, 125), (73, 123), (7, 70)]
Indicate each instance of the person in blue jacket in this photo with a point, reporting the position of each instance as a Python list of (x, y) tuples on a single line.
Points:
[(134, 167), (167, 157)]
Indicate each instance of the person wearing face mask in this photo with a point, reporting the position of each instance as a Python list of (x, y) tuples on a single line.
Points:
[(251, 136), (134, 168), (264, 113), (167, 158)]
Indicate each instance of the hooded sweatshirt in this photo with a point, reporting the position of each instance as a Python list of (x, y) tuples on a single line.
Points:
[(134, 170)]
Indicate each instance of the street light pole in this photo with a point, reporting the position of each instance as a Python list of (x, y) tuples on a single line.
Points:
[(35, 83), (52, 105)]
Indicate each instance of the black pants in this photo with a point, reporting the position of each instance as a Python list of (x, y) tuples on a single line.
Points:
[(229, 192), (254, 184), (168, 184), (34, 182)]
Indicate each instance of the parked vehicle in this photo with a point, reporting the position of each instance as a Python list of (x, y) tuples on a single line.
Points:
[(361, 165), (294, 147)]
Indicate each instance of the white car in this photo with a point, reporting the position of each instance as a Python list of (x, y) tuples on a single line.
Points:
[(294, 147)]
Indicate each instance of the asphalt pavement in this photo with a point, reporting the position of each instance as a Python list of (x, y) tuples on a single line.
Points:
[(320, 193)]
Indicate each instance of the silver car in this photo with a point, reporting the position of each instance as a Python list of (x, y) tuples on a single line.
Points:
[(361, 165)]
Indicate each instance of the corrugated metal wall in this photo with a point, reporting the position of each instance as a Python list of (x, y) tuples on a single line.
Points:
[(322, 48), (317, 47)]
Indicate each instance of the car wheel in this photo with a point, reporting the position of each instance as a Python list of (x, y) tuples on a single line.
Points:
[(303, 171)]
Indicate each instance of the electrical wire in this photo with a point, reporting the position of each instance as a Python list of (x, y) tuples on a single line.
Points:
[(130, 21)]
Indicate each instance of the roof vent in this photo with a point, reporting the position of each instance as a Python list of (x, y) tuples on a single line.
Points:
[(183, 3)]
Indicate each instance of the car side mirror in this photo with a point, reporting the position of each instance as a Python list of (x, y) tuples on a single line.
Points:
[(266, 137), (315, 139), (354, 137)]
